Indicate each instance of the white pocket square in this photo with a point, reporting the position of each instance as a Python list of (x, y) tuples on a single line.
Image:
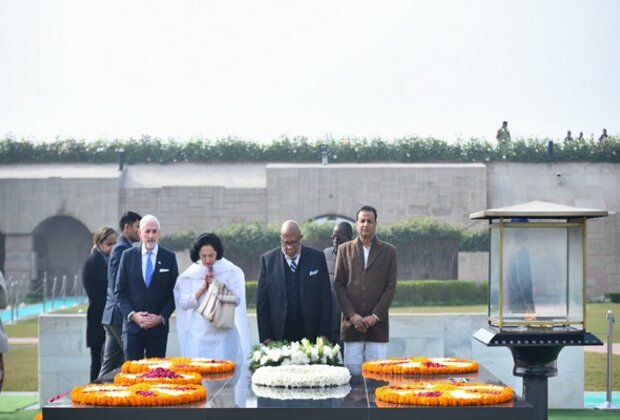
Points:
[(164, 270), (313, 272)]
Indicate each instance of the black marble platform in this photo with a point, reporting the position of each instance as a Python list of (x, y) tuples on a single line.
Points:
[(234, 398)]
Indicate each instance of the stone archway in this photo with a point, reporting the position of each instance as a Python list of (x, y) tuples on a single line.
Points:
[(332, 218), (61, 244)]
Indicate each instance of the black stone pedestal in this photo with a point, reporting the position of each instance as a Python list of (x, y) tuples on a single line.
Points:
[(535, 353)]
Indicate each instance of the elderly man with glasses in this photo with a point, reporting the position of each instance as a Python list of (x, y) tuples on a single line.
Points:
[(293, 299)]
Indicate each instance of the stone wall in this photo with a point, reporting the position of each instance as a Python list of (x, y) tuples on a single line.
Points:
[(202, 197), (28, 202), (196, 208), (581, 184), (64, 359), (448, 192), (473, 266)]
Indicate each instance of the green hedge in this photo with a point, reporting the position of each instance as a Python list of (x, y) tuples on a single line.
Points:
[(257, 238), (420, 293), (613, 297), (475, 241), (300, 149), (427, 248), (439, 293)]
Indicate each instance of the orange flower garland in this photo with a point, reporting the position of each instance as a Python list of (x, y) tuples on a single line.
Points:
[(202, 365), (420, 366), (442, 394), (158, 375), (180, 364), (141, 394)]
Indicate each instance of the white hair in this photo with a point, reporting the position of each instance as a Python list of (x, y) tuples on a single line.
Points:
[(149, 218)]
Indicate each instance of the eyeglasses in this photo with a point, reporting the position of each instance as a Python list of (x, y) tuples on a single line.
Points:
[(290, 243), (336, 237)]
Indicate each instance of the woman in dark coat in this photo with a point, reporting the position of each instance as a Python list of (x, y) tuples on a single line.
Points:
[(95, 278)]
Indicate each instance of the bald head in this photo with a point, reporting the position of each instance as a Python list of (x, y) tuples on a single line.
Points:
[(290, 227), (290, 238)]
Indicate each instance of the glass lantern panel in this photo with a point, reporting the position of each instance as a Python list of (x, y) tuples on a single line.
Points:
[(535, 274), (575, 274), (494, 275)]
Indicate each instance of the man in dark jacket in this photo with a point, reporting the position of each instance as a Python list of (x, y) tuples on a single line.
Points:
[(365, 283), (112, 319), (293, 298)]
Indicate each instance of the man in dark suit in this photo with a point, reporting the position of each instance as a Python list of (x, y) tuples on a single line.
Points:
[(293, 299), (145, 281), (112, 319)]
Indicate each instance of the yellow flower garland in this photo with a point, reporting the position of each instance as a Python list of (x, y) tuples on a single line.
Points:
[(420, 366), (181, 364), (141, 394), (442, 394)]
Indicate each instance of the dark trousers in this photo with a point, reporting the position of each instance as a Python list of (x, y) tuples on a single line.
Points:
[(113, 356), (95, 361), (143, 344)]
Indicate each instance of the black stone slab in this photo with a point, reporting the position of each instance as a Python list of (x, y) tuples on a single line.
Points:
[(234, 398)]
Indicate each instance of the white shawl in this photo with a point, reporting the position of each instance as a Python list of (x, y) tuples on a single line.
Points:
[(234, 279)]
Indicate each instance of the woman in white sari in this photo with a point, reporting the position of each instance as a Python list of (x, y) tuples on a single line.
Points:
[(197, 336)]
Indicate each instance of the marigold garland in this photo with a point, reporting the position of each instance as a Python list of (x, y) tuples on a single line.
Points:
[(182, 364), (38, 416), (442, 394), (202, 365), (158, 375), (415, 379), (141, 394), (420, 366)]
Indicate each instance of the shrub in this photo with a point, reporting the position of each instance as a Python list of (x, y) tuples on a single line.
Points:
[(613, 297), (418, 293), (475, 241), (300, 149), (427, 248), (439, 292)]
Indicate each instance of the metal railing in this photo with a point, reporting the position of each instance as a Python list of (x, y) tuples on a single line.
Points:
[(608, 404), (54, 294)]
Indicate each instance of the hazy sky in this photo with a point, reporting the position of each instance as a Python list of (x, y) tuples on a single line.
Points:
[(262, 69)]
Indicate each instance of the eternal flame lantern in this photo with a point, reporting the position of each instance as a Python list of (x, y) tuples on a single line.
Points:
[(537, 290)]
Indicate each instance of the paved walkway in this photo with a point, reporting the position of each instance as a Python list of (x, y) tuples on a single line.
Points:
[(615, 349), (23, 340)]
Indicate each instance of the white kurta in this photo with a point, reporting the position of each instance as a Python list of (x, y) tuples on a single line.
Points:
[(197, 336)]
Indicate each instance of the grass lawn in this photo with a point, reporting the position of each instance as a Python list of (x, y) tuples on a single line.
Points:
[(19, 415), (27, 328), (596, 372), (21, 368), (596, 321), (482, 309)]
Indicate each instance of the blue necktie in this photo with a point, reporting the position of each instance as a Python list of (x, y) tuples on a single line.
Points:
[(149, 269), (293, 266)]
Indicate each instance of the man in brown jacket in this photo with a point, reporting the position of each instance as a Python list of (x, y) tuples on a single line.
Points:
[(365, 281)]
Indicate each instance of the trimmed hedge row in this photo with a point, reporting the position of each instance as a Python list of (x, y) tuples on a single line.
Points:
[(239, 239), (419, 293), (300, 149), (426, 247)]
